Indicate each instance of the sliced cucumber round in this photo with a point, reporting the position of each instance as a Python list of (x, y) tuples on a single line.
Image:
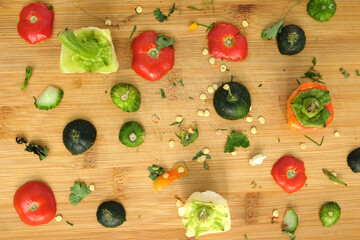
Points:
[(132, 134), (49, 99), (290, 222), (321, 10), (126, 97), (330, 214)]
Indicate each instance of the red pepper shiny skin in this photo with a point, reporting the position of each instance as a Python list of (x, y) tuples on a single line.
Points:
[(225, 42), (289, 166), (35, 203), (35, 23), (147, 67)]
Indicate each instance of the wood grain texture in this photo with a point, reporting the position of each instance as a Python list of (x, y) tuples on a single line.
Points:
[(120, 173)]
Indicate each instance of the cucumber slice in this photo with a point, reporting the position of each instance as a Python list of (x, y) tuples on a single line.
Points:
[(330, 214), (49, 99), (126, 97), (321, 10), (290, 222), (132, 134)]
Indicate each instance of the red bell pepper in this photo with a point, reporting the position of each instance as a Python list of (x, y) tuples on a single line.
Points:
[(36, 22), (225, 42), (289, 173), (322, 112), (153, 55)]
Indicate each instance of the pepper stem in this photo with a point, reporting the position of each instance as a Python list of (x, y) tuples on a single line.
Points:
[(33, 19), (88, 50), (33, 207), (154, 53), (290, 174), (229, 41)]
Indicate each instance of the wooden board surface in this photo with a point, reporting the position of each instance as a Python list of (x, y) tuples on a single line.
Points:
[(120, 173)]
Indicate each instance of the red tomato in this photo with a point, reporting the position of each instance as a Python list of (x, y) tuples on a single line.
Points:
[(36, 22), (225, 42), (148, 62), (35, 203)]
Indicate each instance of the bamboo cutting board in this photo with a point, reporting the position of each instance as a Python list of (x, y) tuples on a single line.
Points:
[(120, 173)]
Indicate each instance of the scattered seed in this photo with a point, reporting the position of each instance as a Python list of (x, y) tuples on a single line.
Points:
[(178, 119), (206, 113), (212, 60), (218, 132), (165, 175), (92, 187), (215, 86), (190, 130), (250, 108), (108, 22), (179, 203), (226, 87), (233, 153), (223, 68), (138, 9), (253, 130), (261, 120), (201, 159), (203, 96), (171, 144), (211, 89), (276, 213), (334, 174), (249, 119), (244, 23), (205, 52), (155, 119), (206, 151), (200, 113), (181, 170), (336, 134), (58, 218), (303, 146)]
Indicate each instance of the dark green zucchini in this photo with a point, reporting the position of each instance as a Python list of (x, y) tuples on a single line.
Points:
[(111, 214), (291, 40), (78, 136), (233, 103)]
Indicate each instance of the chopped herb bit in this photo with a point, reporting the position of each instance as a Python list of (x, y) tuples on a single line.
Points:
[(319, 144), (206, 166), (162, 93), (260, 85), (187, 137), (106, 91), (51, 7), (278, 139), (132, 33), (357, 73), (344, 72), (20, 140), (39, 150), (78, 192), (314, 61), (160, 16), (176, 123), (174, 84), (313, 74), (333, 178), (208, 28), (298, 81), (194, 8), (245, 237), (71, 224), (201, 153), (191, 98), (163, 42), (181, 82), (155, 171), (284, 70), (236, 140), (28, 72)]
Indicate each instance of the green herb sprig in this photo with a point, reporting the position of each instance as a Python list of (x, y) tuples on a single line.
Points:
[(155, 171), (78, 192), (319, 144), (313, 74), (332, 177), (160, 16), (162, 93), (28, 72), (133, 31)]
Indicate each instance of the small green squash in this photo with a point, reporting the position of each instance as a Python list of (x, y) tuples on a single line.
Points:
[(111, 214), (78, 136), (126, 97), (132, 134), (291, 40), (232, 101)]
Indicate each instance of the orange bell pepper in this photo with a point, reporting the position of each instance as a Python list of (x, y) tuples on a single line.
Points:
[(292, 120), (177, 171)]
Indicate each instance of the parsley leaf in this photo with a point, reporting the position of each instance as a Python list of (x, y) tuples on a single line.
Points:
[(272, 32), (78, 192), (163, 42), (160, 16), (187, 138), (28, 72), (236, 140), (162, 93), (155, 171)]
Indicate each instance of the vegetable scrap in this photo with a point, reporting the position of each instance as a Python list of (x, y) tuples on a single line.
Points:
[(202, 156), (71, 224), (162, 180), (236, 140), (28, 72), (333, 177), (160, 16), (189, 136), (162, 93), (155, 171), (344, 72), (39, 150), (313, 74)]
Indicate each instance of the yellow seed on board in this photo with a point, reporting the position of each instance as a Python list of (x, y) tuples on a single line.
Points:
[(171, 144), (223, 68), (233, 153), (138, 9), (253, 130), (212, 60), (261, 120), (203, 96), (211, 89), (206, 113), (215, 86), (108, 22), (206, 151), (58, 218), (178, 119), (249, 119), (244, 23), (303, 146), (205, 52)]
